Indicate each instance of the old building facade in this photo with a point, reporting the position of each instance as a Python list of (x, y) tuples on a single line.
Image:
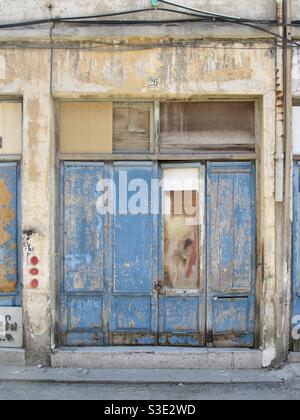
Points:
[(204, 109)]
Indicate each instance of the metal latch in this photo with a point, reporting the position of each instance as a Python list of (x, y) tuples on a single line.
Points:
[(158, 286)]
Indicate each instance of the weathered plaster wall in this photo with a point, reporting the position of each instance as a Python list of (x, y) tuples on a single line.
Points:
[(41, 9), (183, 72), (26, 73), (215, 69)]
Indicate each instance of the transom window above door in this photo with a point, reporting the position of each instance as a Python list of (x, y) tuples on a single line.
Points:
[(156, 128)]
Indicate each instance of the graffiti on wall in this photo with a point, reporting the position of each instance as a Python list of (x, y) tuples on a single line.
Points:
[(11, 330)]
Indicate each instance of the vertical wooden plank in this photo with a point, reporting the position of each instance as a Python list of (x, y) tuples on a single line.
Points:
[(83, 269), (225, 225), (133, 302), (155, 147), (242, 275), (231, 235)]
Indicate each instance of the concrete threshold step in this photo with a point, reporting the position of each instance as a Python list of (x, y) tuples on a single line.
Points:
[(156, 358), (294, 357), (140, 376), (12, 357)]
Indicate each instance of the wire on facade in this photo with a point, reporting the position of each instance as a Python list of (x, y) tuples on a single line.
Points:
[(199, 16), (229, 19)]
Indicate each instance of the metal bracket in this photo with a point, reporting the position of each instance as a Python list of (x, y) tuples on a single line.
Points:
[(209, 337), (158, 286)]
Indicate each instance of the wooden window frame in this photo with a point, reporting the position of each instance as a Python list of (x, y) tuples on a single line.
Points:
[(154, 153)]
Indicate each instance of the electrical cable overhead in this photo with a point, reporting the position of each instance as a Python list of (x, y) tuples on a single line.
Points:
[(193, 16), (239, 21)]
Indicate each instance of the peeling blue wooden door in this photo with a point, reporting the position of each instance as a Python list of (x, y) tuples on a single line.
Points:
[(231, 272), (9, 197), (134, 257), (296, 261), (84, 296), (138, 277)]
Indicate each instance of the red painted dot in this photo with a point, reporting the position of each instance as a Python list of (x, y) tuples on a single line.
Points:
[(34, 260), (34, 283), (34, 271)]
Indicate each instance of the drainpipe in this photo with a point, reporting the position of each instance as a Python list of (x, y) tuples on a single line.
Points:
[(283, 189), (279, 148), (288, 199)]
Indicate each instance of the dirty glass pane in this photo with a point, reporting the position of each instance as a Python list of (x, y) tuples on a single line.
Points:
[(181, 228), (188, 127)]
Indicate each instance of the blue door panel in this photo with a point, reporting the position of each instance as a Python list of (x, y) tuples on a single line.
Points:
[(83, 250), (133, 254), (181, 315), (296, 258), (9, 285), (84, 232), (231, 270), (133, 302), (243, 234), (132, 313), (231, 315), (85, 312)]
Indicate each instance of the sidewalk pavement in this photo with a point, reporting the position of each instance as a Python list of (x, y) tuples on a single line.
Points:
[(287, 374)]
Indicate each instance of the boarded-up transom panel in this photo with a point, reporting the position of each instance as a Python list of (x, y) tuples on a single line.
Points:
[(200, 126), (86, 127), (132, 127), (10, 128)]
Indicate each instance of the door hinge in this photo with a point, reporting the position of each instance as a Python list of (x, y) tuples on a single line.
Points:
[(209, 337)]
